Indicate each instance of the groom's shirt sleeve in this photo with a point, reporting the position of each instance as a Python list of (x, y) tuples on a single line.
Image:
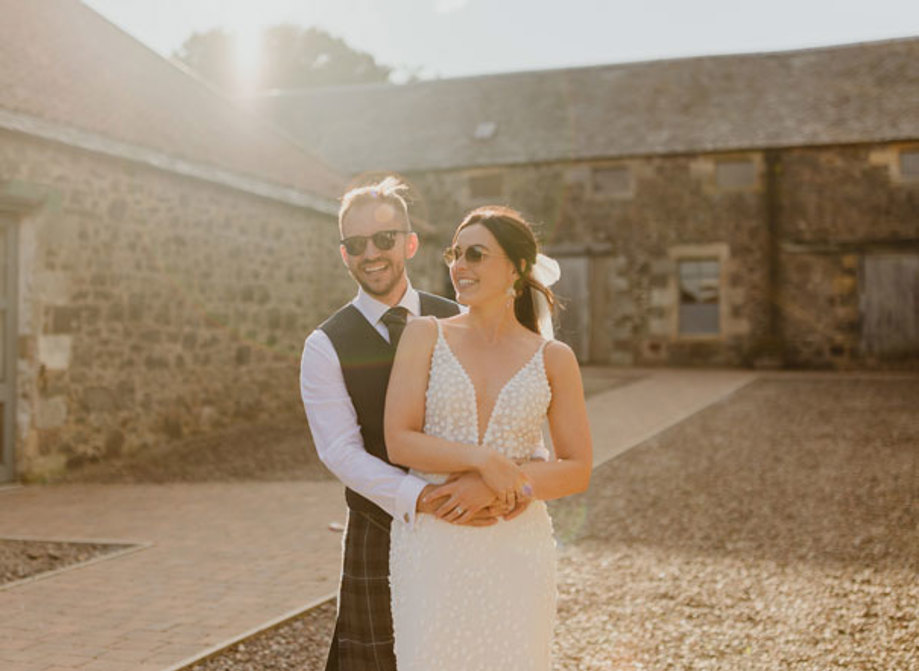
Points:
[(337, 435)]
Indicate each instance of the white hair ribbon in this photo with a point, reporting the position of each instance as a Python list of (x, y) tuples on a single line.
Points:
[(546, 272)]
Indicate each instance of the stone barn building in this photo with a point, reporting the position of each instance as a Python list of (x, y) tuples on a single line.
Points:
[(729, 211), (162, 253)]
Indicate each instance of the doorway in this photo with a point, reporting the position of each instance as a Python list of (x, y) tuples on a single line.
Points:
[(8, 303), (889, 304), (573, 291)]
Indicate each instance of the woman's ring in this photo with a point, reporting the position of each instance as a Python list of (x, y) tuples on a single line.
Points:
[(459, 511)]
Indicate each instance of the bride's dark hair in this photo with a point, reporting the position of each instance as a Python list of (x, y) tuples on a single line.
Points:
[(517, 240)]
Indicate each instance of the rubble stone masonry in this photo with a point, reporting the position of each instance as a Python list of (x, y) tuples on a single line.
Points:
[(791, 228), (152, 307)]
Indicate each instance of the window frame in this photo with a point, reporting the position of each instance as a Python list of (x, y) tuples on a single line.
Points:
[(717, 251), (752, 159), (907, 177), (483, 175), (598, 194)]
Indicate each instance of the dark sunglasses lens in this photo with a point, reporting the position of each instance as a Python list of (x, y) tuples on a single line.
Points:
[(355, 246), (384, 240), (473, 254)]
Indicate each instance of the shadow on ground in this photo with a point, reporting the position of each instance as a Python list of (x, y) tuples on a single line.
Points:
[(266, 452)]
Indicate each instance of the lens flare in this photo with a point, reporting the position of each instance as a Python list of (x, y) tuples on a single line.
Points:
[(248, 55)]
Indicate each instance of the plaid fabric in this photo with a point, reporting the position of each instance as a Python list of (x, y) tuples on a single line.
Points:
[(363, 638)]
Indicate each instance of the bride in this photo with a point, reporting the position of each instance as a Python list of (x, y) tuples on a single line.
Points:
[(470, 393)]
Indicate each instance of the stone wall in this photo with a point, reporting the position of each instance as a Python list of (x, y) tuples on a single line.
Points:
[(631, 241), (152, 307), (790, 240), (838, 206)]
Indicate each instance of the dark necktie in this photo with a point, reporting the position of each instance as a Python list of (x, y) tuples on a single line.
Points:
[(395, 319)]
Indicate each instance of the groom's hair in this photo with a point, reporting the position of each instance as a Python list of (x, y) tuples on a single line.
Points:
[(390, 190)]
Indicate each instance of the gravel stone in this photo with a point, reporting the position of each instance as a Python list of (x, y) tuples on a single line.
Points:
[(298, 644), (777, 529)]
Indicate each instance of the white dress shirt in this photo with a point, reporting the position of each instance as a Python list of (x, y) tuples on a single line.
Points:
[(333, 420)]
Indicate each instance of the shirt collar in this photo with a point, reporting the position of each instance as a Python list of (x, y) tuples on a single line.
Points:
[(372, 309)]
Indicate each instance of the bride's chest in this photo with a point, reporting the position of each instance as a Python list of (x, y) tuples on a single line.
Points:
[(501, 412)]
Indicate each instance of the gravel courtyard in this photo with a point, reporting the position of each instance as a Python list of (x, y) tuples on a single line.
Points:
[(777, 529)]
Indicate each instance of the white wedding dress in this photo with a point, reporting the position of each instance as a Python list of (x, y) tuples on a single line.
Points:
[(477, 598)]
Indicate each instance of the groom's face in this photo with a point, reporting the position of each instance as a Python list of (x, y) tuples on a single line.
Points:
[(379, 271)]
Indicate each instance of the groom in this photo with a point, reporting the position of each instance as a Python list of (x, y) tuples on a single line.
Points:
[(344, 372)]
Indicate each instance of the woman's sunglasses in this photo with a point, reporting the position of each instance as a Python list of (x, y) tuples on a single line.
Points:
[(473, 253), (382, 240)]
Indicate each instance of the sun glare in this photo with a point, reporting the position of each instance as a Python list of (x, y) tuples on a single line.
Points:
[(248, 48), (247, 38)]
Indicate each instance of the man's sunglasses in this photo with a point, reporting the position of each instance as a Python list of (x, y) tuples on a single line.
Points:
[(473, 253), (382, 240)]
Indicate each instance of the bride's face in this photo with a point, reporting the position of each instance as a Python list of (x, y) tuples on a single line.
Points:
[(481, 271)]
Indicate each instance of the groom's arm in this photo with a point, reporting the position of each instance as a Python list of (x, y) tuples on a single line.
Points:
[(337, 435)]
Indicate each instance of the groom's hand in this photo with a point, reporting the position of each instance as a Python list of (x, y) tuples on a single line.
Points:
[(429, 500), (464, 499)]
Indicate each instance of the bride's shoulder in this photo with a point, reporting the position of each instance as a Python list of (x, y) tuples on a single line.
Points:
[(559, 357), (451, 324), (421, 327), (418, 339)]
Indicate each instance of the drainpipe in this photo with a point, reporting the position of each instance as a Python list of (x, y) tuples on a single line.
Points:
[(773, 336)]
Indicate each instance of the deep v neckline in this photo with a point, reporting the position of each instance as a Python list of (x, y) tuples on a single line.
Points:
[(482, 435)]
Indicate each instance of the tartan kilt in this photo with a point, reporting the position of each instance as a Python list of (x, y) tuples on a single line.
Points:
[(363, 638)]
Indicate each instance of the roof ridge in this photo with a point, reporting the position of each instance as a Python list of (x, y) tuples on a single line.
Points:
[(450, 81)]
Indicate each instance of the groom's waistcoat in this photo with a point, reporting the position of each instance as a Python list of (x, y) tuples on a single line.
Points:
[(366, 362)]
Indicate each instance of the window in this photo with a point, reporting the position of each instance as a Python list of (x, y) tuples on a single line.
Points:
[(909, 164), (735, 174), (612, 181), (486, 186), (699, 287)]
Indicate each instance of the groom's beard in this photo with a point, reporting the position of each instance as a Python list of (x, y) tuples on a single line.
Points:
[(393, 273)]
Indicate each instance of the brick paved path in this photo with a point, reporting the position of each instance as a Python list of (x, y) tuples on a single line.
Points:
[(220, 560), (626, 416)]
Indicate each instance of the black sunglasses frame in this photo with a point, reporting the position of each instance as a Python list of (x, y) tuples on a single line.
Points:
[(356, 245)]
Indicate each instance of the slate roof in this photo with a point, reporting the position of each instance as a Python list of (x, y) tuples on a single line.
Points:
[(62, 62), (837, 95)]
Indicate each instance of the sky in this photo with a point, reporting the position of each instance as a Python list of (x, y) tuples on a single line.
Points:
[(450, 38)]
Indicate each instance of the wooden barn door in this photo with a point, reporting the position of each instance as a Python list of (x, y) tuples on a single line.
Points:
[(7, 346), (889, 303), (573, 290)]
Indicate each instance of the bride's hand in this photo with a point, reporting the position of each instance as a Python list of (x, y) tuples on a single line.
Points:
[(505, 478), (462, 499)]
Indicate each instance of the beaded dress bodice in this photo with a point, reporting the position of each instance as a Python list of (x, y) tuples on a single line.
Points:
[(515, 426)]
